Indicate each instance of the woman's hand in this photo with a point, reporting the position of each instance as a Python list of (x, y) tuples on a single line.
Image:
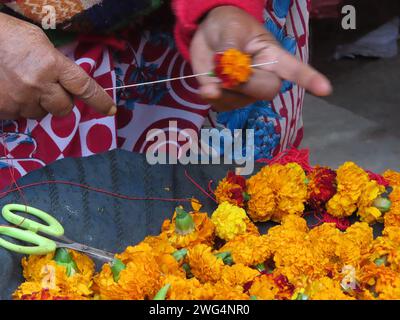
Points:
[(36, 79), (229, 27)]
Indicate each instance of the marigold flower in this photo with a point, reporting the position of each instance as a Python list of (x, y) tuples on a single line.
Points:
[(231, 189), (248, 249), (392, 177), (223, 291), (277, 190), (271, 287), (43, 272), (230, 221), (321, 187), (392, 218), (382, 282), (238, 274), (203, 230), (326, 289), (350, 179), (233, 67), (187, 289), (355, 191), (139, 280), (204, 265)]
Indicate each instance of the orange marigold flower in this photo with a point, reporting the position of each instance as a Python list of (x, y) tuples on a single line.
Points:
[(43, 272), (201, 231), (233, 67), (326, 289), (276, 191), (248, 249), (204, 265), (187, 289), (392, 177), (140, 279), (238, 274)]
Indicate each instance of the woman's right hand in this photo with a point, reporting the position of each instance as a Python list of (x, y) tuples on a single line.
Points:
[(36, 79)]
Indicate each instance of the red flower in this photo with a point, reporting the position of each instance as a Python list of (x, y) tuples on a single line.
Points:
[(378, 178), (322, 187)]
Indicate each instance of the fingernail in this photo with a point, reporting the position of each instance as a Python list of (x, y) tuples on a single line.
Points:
[(112, 111)]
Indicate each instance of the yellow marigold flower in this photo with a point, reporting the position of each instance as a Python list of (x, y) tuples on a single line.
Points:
[(229, 220), (393, 233), (366, 210), (264, 288), (204, 265), (238, 274), (140, 279), (392, 177), (350, 179), (202, 232), (276, 191), (248, 249), (326, 289), (43, 272)]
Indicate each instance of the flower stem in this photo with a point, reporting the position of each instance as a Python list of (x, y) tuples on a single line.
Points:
[(64, 258), (383, 204), (184, 223), (226, 257), (162, 294), (180, 254), (116, 267)]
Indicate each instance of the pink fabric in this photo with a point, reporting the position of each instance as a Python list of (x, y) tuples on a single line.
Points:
[(190, 12)]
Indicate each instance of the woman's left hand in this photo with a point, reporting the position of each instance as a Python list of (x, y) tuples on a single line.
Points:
[(228, 27)]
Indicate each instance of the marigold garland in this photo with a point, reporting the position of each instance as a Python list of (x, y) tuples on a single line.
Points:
[(291, 261)]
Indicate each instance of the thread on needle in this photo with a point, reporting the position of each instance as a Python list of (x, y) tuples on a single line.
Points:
[(181, 78)]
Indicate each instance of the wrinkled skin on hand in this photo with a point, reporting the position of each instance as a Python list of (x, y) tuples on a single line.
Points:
[(228, 27), (36, 79)]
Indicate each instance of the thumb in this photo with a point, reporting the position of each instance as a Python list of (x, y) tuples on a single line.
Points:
[(80, 85)]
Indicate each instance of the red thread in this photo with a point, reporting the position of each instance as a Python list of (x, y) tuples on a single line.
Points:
[(98, 190), (290, 155), (199, 187)]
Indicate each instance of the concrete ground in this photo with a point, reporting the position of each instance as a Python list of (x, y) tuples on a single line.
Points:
[(360, 121)]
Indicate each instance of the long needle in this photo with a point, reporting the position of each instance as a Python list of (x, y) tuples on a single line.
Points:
[(180, 78)]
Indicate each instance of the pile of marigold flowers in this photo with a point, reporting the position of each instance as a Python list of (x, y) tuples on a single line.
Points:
[(224, 256)]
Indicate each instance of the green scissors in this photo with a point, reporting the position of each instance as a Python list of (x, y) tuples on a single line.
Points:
[(28, 231)]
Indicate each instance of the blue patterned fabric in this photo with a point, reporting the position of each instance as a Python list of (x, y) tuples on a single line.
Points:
[(260, 116)]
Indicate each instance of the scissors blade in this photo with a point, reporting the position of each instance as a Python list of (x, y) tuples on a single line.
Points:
[(100, 254)]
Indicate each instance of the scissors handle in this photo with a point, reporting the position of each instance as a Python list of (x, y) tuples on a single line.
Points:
[(53, 227), (43, 245)]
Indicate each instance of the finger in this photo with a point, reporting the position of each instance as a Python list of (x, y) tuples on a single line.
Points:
[(56, 100), (262, 85), (202, 62), (231, 100), (290, 68), (80, 85)]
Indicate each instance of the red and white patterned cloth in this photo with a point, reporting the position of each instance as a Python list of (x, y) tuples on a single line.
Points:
[(27, 145)]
